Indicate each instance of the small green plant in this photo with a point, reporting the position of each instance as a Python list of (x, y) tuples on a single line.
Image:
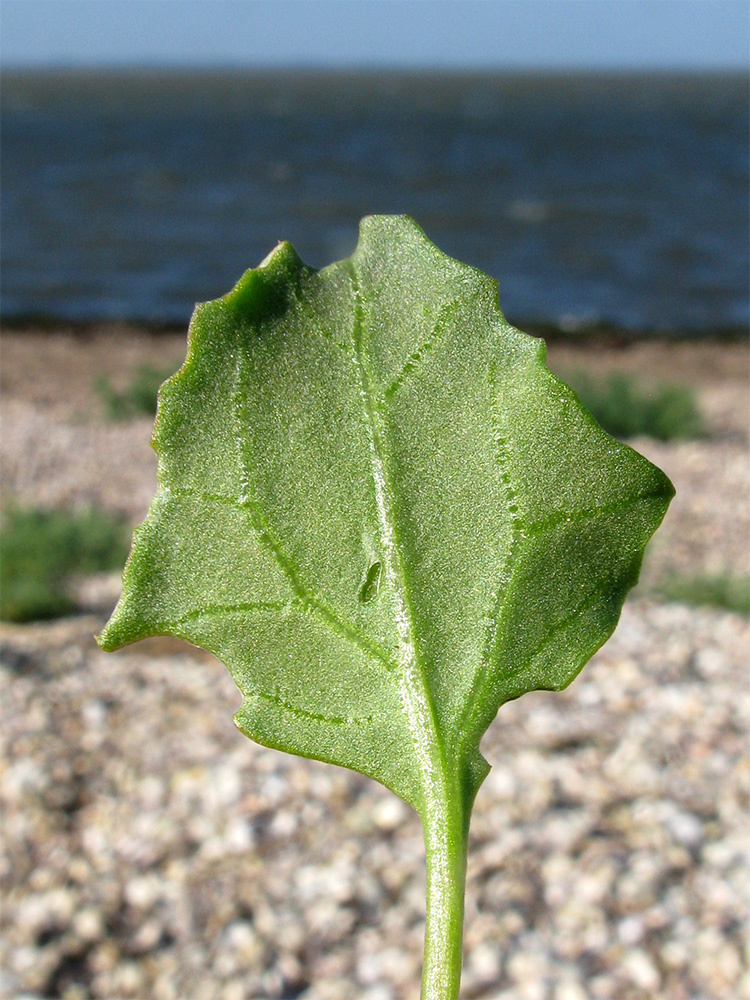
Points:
[(625, 410), (387, 517), (40, 550), (138, 399), (721, 591)]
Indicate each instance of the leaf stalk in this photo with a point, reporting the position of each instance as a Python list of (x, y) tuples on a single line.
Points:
[(446, 843)]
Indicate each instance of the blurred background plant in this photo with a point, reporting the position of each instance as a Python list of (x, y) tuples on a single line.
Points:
[(719, 591), (138, 398), (42, 551), (625, 409)]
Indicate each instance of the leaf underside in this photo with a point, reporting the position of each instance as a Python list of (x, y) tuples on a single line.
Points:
[(381, 511)]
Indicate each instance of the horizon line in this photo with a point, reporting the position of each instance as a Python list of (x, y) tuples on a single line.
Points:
[(368, 68)]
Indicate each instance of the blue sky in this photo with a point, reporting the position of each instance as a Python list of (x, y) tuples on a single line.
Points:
[(370, 33)]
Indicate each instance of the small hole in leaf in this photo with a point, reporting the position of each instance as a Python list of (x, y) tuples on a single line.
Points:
[(370, 585)]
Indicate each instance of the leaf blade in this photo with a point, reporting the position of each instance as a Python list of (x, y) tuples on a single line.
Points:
[(365, 476)]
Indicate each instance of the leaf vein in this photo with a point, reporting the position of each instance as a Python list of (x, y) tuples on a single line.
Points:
[(339, 720), (211, 610), (499, 593), (415, 360), (542, 526)]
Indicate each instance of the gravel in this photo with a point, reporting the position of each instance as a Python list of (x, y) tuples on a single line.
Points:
[(150, 851)]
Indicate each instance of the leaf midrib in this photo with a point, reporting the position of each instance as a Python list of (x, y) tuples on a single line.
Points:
[(414, 686)]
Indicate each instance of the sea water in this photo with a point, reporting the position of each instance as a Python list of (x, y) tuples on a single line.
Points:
[(615, 201)]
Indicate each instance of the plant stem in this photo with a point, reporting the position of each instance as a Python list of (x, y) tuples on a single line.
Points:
[(446, 836)]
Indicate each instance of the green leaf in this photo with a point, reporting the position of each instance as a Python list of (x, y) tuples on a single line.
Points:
[(386, 516)]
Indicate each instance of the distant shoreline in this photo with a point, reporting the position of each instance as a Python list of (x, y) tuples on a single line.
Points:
[(604, 333), (313, 71)]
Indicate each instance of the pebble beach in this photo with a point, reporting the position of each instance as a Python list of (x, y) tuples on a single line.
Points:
[(149, 851)]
